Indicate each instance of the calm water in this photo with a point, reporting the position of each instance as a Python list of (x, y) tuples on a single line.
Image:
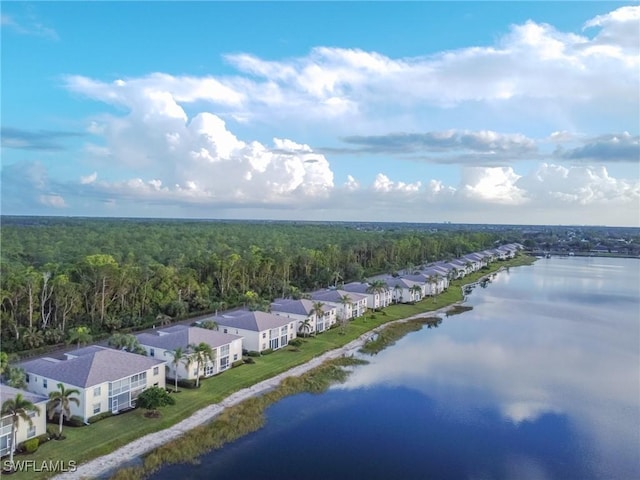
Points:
[(541, 380)]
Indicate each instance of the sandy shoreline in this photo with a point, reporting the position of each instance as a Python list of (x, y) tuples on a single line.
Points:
[(102, 466)]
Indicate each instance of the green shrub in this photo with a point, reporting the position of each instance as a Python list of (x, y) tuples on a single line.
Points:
[(296, 342), (185, 383), (267, 351), (74, 421), (249, 360), (253, 353), (100, 416), (31, 446), (237, 363)]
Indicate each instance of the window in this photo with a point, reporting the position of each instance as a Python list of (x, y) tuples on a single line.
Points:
[(96, 408), (97, 391), (44, 383), (156, 370), (274, 344), (26, 378), (31, 432), (235, 357), (225, 330), (264, 334), (224, 363), (264, 346), (152, 352)]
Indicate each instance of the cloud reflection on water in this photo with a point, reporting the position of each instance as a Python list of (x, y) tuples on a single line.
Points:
[(547, 352)]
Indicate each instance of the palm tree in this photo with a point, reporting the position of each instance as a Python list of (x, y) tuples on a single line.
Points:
[(163, 319), (336, 276), (32, 337), (202, 353), (397, 289), (210, 325), (19, 408), (178, 355), (317, 309), (377, 287), (305, 326), (127, 342), (436, 282), (416, 289), (81, 335), (60, 401), (344, 300)]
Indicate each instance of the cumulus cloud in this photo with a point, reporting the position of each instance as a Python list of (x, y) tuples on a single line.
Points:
[(558, 185), (531, 62), (172, 139)]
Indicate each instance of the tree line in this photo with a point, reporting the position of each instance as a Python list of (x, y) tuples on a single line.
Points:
[(107, 275)]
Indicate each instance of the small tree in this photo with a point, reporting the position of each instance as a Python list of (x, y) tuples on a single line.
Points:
[(4, 362), (127, 342), (178, 355), (305, 326), (80, 335), (15, 377), (202, 353), (210, 325), (18, 408), (152, 399), (60, 401)]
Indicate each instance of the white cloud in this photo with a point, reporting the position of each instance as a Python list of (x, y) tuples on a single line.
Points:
[(384, 185), (55, 201), (28, 25), (177, 135), (89, 178), (497, 184)]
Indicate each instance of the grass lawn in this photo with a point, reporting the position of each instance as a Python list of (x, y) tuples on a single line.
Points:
[(85, 443)]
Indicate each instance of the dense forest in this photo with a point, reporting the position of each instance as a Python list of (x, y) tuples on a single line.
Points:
[(106, 275)]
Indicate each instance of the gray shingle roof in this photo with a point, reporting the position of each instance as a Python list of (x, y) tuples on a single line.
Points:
[(287, 305), (356, 287), (7, 392), (103, 365), (79, 352), (183, 336), (335, 295), (254, 321)]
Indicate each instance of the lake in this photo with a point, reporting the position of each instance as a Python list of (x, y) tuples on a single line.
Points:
[(540, 380)]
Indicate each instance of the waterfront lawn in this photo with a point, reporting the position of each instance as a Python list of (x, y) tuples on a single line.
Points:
[(85, 443)]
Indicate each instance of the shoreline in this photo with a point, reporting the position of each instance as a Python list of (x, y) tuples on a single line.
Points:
[(107, 465)]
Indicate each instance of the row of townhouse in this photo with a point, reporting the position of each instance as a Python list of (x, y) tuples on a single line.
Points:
[(110, 380)]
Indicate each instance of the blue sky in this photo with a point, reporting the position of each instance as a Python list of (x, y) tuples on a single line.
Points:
[(478, 112)]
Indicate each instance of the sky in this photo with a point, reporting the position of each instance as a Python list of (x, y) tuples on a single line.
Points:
[(463, 112)]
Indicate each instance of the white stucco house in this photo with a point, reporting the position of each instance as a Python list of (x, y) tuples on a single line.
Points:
[(375, 300), (303, 309), (226, 349), (355, 305), (108, 379), (25, 431), (259, 330), (405, 290)]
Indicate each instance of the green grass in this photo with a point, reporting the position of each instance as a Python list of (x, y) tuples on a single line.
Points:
[(394, 332), (85, 443)]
